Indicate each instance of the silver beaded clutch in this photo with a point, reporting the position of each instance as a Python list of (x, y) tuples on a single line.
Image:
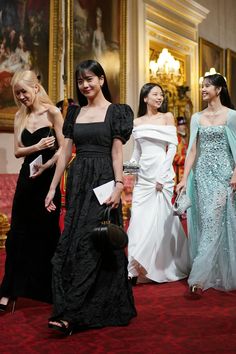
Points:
[(130, 168), (182, 203)]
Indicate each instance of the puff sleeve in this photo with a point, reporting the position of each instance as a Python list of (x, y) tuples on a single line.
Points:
[(121, 122), (68, 126)]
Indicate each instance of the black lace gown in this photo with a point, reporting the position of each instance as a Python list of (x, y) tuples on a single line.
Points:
[(34, 232), (91, 287)]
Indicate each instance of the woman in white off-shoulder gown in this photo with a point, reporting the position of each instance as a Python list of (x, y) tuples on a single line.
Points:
[(157, 248)]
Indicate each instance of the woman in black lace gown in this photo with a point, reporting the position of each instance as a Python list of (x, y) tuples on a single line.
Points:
[(90, 287), (34, 232)]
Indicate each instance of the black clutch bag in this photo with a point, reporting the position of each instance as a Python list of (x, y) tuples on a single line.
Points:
[(109, 234)]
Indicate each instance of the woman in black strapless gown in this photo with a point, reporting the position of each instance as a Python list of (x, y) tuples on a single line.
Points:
[(90, 287), (34, 232)]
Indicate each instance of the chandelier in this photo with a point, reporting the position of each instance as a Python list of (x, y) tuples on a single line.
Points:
[(166, 69)]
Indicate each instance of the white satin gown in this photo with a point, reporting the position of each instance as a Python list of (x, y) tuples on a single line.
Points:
[(157, 249)]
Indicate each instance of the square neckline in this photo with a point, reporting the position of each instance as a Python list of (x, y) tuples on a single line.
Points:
[(101, 122)]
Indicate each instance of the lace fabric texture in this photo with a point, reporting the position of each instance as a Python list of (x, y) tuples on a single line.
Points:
[(213, 237)]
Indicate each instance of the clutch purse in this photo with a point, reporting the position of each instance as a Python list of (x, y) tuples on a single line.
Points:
[(130, 168), (109, 234), (182, 203)]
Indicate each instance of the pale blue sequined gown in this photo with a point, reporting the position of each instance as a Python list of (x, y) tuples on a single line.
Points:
[(213, 246)]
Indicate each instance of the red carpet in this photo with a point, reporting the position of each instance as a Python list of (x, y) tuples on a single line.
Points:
[(168, 322)]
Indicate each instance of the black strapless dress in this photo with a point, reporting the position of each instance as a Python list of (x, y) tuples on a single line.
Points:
[(34, 232), (91, 287)]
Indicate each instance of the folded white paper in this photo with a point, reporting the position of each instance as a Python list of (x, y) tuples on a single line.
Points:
[(104, 191), (34, 163)]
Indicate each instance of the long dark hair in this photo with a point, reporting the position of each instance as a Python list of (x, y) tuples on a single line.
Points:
[(97, 69), (142, 108), (218, 80)]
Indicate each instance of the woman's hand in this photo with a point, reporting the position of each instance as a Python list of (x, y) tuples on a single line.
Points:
[(233, 181), (49, 205), (182, 185), (46, 143), (114, 199), (38, 170), (159, 187)]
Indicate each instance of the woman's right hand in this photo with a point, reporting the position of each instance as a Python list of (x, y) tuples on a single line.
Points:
[(49, 205), (45, 143), (181, 185)]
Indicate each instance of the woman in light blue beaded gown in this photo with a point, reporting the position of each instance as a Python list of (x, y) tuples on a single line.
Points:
[(210, 179)]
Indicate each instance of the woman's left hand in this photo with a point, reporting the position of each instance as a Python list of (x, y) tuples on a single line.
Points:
[(233, 181), (159, 187), (114, 199), (39, 170)]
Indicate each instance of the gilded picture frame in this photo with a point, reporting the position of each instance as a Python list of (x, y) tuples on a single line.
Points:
[(36, 25), (231, 74), (97, 30)]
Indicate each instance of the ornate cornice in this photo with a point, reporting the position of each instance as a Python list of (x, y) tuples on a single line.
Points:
[(182, 16)]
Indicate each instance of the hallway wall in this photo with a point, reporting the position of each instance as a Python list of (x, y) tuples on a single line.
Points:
[(218, 27)]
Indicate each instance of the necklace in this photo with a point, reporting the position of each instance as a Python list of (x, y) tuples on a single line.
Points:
[(212, 113)]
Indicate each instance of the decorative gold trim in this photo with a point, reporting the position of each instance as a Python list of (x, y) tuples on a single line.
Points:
[(123, 40), (60, 32), (166, 37), (188, 10), (4, 228), (69, 49), (54, 72), (55, 42)]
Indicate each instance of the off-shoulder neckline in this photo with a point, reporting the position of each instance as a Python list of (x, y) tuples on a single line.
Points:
[(154, 125)]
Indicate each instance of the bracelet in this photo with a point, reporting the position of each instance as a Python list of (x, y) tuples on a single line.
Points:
[(119, 182)]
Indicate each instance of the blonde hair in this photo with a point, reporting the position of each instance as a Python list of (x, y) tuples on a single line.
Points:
[(28, 78)]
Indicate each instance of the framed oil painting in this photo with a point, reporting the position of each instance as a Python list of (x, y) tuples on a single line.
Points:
[(210, 56), (28, 31), (231, 74), (99, 32)]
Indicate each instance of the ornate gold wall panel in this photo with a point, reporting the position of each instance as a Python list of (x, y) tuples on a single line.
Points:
[(174, 25), (55, 49)]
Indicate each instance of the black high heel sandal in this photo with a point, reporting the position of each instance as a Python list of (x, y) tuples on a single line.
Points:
[(4, 307), (133, 280), (64, 328)]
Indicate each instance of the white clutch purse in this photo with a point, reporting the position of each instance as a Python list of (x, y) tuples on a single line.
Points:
[(182, 203)]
